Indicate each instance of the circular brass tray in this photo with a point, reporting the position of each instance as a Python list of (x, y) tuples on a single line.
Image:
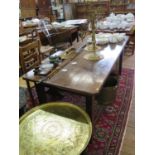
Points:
[(56, 128), (68, 54)]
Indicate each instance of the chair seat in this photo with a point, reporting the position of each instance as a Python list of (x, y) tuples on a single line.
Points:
[(46, 49)]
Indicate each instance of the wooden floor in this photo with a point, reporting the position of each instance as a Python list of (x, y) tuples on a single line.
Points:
[(128, 144)]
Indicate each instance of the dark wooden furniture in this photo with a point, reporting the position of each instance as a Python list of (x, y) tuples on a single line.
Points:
[(29, 33), (73, 10), (58, 37), (82, 9), (122, 6), (29, 59), (23, 31), (81, 76), (29, 30), (28, 8), (69, 11), (44, 8), (32, 34), (82, 25)]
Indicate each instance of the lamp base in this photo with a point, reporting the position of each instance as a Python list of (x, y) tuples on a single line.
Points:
[(93, 56), (89, 48)]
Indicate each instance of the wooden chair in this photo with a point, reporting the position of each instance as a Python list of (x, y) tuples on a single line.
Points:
[(29, 55), (26, 35), (29, 59), (45, 51), (45, 48)]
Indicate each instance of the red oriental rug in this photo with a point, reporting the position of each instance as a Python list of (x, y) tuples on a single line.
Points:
[(110, 120)]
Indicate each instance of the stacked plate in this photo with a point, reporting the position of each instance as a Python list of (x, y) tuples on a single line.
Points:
[(105, 38), (119, 21)]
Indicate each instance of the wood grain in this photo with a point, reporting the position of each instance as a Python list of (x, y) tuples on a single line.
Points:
[(85, 76)]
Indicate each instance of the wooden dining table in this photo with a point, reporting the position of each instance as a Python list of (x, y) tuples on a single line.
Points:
[(81, 76)]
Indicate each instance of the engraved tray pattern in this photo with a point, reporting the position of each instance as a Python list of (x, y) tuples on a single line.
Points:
[(46, 133)]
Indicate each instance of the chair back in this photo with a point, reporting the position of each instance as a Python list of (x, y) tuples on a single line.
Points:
[(29, 55)]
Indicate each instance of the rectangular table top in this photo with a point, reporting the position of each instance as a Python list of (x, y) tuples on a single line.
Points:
[(81, 75), (84, 76)]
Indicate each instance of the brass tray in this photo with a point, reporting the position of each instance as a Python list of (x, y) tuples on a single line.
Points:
[(56, 128), (69, 53)]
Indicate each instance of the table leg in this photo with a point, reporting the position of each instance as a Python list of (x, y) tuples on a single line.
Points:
[(120, 63), (132, 39), (89, 102), (30, 92), (41, 93), (77, 35), (84, 153)]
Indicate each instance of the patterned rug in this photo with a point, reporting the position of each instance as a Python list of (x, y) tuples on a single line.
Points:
[(110, 120)]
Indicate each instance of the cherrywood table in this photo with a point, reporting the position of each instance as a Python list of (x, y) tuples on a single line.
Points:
[(82, 76), (72, 31)]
